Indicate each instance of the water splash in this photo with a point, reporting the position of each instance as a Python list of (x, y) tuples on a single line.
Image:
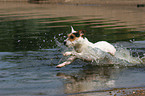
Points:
[(123, 56)]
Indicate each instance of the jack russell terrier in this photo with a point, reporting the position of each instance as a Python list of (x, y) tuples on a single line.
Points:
[(81, 45)]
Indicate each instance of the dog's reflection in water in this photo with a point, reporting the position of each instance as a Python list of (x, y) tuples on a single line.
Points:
[(90, 78)]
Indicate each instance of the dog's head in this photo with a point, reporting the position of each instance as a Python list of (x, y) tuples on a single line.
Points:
[(74, 38)]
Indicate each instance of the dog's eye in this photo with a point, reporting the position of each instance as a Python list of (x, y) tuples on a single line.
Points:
[(77, 34), (71, 37)]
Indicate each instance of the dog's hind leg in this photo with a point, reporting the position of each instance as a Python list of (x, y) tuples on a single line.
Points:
[(67, 62)]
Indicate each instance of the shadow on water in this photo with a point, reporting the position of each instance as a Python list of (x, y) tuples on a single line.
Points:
[(29, 53)]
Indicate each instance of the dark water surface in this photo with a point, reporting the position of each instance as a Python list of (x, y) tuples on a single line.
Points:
[(29, 53)]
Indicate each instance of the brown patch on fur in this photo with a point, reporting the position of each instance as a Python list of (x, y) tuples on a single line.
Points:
[(72, 37)]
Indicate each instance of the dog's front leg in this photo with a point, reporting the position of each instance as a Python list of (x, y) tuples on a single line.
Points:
[(67, 53), (73, 53), (67, 62)]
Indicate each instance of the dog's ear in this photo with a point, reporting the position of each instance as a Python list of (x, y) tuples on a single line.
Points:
[(72, 30), (82, 32)]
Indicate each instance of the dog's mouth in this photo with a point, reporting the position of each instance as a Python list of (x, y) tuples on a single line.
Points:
[(68, 43), (64, 42)]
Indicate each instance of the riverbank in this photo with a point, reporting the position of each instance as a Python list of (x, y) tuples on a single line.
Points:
[(85, 2), (125, 14)]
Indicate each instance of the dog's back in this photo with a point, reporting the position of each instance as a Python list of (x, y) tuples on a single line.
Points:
[(105, 46)]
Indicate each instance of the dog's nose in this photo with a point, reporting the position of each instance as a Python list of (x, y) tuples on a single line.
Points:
[(64, 42)]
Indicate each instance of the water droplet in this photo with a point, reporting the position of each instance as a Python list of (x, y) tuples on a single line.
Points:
[(19, 40)]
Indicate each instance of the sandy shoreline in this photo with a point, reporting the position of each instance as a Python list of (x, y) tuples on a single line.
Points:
[(114, 92)]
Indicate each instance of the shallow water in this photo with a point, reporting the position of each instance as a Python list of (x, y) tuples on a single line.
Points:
[(29, 53)]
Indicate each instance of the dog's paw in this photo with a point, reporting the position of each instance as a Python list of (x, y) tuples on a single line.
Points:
[(60, 65), (67, 53)]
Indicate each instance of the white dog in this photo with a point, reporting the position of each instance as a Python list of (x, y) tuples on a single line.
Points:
[(81, 46)]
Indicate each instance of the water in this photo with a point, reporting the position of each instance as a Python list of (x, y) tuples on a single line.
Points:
[(29, 53)]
